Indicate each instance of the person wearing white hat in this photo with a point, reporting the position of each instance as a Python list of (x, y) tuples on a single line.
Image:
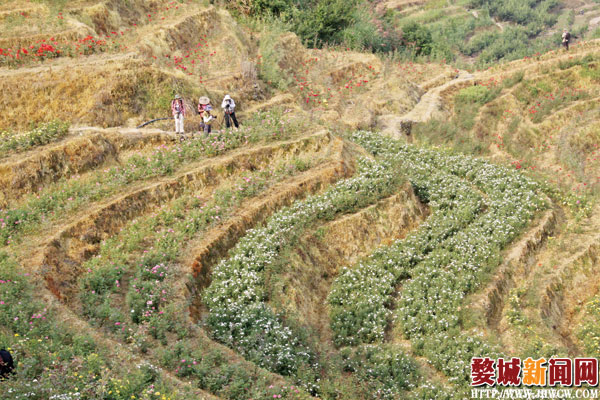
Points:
[(228, 106), (178, 110)]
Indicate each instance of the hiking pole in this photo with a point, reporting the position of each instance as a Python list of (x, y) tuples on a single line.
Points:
[(151, 121)]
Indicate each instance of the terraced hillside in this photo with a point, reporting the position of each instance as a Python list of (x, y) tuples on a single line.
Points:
[(482, 32), (372, 225), (537, 116)]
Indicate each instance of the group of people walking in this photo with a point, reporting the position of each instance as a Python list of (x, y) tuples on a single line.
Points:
[(205, 110)]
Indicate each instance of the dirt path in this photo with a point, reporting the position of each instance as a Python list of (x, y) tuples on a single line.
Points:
[(430, 106), (61, 63)]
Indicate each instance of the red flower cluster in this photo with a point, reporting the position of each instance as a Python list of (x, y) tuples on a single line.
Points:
[(49, 48)]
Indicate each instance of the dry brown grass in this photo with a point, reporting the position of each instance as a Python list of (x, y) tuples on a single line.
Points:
[(128, 88), (103, 93)]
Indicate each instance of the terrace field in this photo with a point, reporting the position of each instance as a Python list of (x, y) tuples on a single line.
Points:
[(376, 221)]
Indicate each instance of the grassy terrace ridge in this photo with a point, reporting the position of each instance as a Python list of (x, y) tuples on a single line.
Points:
[(471, 253), (165, 231), (238, 316), (130, 287), (41, 135), (70, 194)]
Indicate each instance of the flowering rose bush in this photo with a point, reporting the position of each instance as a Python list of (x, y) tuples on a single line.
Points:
[(127, 287), (478, 209), (386, 369)]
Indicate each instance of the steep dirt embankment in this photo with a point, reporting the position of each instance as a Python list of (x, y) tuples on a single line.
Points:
[(319, 255), (60, 260), (564, 296), (488, 304), (27, 172)]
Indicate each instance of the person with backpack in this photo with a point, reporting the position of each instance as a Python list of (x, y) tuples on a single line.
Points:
[(204, 109), (566, 38), (228, 106), (178, 110), (6, 364)]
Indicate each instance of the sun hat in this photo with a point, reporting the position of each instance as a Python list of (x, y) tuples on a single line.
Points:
[(177, 96), (204, 100), (227, 97)]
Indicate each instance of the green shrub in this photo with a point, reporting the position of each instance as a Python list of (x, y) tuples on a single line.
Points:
[(319, 22), (469, 100), (478, 95), (512, 80), (51, 359), (269, 69), (365, 33), (323, 21), (448, 134), (572, 62), (440, 263), (591, 72), (239, 316), (589, 331), (274, 7), (480, 41), (512, 43), (521, 12), (417, 38), (386, 370)]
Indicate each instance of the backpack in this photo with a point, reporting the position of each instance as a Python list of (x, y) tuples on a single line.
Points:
[(207, 118), (8, 366)]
